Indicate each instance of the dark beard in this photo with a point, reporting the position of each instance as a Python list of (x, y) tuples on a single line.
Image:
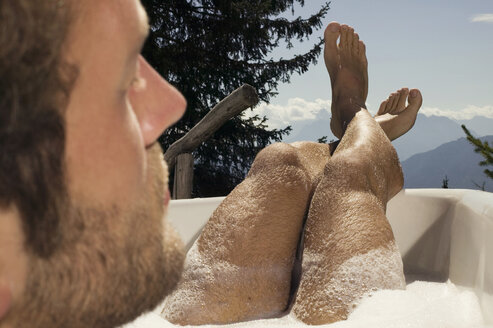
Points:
[(110, 268)]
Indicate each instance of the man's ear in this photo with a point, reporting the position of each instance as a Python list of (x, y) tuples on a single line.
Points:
[(5, 300)]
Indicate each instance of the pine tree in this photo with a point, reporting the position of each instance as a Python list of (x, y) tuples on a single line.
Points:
[(445, 182), (207, 49), (482, 148)]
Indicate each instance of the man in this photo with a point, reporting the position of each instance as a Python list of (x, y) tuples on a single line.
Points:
[(83, 185)]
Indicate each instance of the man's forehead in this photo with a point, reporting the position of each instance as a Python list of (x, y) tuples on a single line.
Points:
[(128, 12)]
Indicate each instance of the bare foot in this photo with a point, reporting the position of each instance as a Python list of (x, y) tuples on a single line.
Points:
[(394, 117), (348, 70)]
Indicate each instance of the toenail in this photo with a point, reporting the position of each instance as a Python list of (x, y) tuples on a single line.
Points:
[(334, 28), (414, 93)]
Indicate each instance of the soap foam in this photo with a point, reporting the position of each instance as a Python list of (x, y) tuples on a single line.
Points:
[(422, 304), (204, 290), (197, 276), (379, 268)]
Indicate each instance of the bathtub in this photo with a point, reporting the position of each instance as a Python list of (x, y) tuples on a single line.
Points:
[(442, 234)]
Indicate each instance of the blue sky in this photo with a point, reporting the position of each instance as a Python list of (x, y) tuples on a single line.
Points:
[(443, 47)]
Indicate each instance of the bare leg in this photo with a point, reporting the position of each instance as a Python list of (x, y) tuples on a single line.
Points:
[(349, 247), (240, 267)]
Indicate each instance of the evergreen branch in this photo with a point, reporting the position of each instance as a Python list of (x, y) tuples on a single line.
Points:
[(482, 148)]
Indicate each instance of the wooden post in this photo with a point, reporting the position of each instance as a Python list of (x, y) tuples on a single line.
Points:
[(182, 188)]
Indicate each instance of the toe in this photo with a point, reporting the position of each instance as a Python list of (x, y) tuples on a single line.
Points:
[(389, 104), (362, 48), (362, 54), (344, 37), (415, 99), (349, 40), (383, 107), (401, 103), (332, 33), (394, 97), (355, 44)]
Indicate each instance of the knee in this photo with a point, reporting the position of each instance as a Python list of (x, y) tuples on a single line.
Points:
[(346, 169), (275, 156)]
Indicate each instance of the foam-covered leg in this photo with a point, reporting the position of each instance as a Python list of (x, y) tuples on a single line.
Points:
[(349, 247), (240, 267)]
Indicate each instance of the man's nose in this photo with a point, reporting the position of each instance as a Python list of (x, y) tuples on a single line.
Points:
[(157, 103)]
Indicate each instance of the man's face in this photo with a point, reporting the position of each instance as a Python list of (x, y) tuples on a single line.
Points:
[(113, 262), (113, 117)]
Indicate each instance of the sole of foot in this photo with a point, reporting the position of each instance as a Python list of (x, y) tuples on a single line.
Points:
[(347, 65)]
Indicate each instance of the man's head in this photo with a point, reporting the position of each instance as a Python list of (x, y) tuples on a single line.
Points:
[(83, 187)]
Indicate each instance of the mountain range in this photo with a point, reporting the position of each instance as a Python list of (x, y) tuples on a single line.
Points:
[(311, 130), (455, 161), (433, 149), (430, 132)]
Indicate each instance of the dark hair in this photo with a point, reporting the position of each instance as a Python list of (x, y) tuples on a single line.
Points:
[(34, 88)]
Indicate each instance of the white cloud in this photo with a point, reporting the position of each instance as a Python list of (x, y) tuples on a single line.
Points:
[(295, 111), (298, 111), (482, 18), (464, 114)]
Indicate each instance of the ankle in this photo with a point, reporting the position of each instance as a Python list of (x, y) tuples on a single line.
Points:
[(347, 109), (349, 103)]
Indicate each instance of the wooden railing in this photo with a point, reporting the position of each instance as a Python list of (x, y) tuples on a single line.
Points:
[(179, 155)]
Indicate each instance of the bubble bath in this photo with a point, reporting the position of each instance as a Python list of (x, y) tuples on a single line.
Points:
[(422, 304), (442, 234)]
